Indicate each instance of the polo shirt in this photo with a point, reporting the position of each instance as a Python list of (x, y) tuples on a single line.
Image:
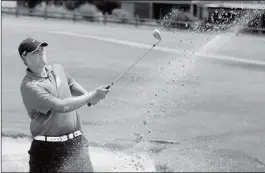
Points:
[(37, 93)]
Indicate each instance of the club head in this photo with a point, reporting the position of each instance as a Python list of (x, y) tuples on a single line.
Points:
[(157, 34)]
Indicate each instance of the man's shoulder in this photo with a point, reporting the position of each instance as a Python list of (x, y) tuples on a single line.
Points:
[(25, 81), (28, 83)]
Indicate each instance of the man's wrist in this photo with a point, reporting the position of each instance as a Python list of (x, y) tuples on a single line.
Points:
[(90, 95)]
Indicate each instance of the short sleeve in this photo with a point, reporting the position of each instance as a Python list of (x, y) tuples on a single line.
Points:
[(69, 78), (35, 97)]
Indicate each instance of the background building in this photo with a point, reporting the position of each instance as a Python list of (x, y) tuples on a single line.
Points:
[(208, 11), (155, 9)]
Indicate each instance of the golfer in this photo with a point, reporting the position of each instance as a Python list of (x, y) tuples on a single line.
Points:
[(51, 97)]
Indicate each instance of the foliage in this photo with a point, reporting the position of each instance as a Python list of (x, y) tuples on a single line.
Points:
[(121, 15), (88, 11)]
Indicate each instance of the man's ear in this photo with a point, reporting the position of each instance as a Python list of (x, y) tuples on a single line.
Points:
[(25, 60)]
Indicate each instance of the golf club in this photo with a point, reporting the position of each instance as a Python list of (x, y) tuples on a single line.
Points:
[(157, 35)]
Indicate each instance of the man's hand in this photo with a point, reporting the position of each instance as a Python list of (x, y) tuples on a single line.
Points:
[(98, 94)]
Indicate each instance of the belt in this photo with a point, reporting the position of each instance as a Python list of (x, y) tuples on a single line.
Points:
[(59, 138)]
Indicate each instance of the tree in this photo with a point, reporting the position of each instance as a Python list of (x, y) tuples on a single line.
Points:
[(33, 3), (29, 3), (106, 6), (71, 5)]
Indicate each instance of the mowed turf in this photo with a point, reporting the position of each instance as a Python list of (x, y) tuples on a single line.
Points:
[(213, 108)]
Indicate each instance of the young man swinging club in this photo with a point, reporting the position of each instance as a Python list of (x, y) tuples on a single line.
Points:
[(51, 97)]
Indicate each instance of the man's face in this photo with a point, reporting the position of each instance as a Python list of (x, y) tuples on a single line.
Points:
[(37, 58)]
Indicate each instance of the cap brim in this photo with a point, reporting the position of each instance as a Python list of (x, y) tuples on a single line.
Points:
[(43, 44)]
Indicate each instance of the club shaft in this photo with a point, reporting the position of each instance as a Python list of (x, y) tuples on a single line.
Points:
[(118, 78)]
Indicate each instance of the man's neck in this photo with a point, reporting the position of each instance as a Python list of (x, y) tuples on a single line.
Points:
[(39, 71)]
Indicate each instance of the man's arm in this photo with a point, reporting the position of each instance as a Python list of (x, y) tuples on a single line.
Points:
[(44, 101), (74, 103), (71, 103), (77, 90)]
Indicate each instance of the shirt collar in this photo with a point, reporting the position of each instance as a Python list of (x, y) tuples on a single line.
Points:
[(35, 76)]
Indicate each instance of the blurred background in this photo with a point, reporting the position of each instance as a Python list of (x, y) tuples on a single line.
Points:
[(191, 15)]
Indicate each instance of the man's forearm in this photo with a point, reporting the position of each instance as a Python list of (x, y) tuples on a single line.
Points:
[(74, 103)]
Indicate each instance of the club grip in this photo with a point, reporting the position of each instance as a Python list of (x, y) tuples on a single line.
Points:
[(89, 104)]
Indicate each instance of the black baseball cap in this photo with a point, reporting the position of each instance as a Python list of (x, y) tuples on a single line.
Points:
[(29, 45)]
